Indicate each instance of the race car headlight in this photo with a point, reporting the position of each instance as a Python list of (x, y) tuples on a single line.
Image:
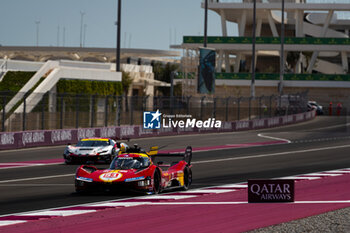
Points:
[(102, 151), (144, 183)]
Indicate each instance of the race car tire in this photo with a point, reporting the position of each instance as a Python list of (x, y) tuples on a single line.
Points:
[(187, 178), (156, 182), (68, 160), (80, 190)]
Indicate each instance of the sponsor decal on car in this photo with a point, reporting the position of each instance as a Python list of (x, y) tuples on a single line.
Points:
[(135, 179), (84, 179), (110, 176)]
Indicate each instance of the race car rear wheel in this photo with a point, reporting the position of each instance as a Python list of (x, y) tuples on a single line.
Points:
[(187, 178), (156, 182)]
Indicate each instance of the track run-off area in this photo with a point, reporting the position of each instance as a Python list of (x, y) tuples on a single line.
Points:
[(36, 179)]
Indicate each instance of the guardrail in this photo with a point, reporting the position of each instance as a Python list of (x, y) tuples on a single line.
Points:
[(38, 138), (266, 40)]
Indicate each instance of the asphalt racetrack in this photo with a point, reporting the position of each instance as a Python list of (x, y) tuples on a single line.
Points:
[(319, 145)]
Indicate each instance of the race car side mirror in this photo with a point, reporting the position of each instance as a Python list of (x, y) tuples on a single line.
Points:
[(188, 154), (153, 150)]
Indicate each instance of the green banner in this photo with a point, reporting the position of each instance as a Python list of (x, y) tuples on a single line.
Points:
[(266, 40), (270, 76)]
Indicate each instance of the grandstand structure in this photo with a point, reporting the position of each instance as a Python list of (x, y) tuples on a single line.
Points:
[(316, 47)]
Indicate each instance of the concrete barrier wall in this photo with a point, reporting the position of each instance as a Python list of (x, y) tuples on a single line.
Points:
[(37, 138)]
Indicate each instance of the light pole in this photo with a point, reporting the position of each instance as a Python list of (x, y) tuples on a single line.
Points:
[(84, 37), (37, 32), (252, 85), (117, 58), (64, 37), (280, 85), (58, 35), (81, 27), (205, 23)]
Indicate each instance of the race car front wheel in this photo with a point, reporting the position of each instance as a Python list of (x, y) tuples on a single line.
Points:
[(156, 182), (187, 178), (68, 160)]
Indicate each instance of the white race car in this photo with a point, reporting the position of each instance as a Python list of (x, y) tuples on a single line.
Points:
[(93, 150)]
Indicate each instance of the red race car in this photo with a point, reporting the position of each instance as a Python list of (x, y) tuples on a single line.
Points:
[(137, 170)]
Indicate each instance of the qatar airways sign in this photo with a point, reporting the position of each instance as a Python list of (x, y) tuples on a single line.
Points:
[(261, 191)]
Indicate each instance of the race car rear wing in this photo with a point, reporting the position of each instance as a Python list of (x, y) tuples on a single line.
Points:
[(187, 156)]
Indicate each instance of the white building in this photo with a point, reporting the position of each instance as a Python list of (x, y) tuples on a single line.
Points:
[(317, 44)]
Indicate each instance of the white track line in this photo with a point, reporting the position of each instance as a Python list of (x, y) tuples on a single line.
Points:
[(33, 185), (175, 197), (275, 138), (118, 204), (35, 178), (338, 171), (59, 213), (299, 178), (244, 202), (233, 186), (322, 174), (272, 154), (30, 165), (210, 191), (10, 222)]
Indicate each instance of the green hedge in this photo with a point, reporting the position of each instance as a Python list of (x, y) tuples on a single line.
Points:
[(15, 80), (89, 87)]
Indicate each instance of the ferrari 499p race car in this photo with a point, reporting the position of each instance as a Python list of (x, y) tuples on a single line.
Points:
[(140, 171), (93, 150)]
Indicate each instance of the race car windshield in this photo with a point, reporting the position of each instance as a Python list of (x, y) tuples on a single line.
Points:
[(125, 163), (92, 143)]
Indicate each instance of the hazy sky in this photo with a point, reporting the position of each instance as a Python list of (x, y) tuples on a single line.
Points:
[(151, 24)]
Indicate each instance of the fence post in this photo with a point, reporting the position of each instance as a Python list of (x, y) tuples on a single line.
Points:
[(24, 111), (155, 103), (238, 108), (188, 104), (249, 107), (3, 112), (271, 97), (61, 112), (43, 111), (92, 111), (260, 106), (214, 108), (171, 105), (106, 111), (144, 103), (131, 110), (226, 106), (202, 99), (119, 102), (77, 111)]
